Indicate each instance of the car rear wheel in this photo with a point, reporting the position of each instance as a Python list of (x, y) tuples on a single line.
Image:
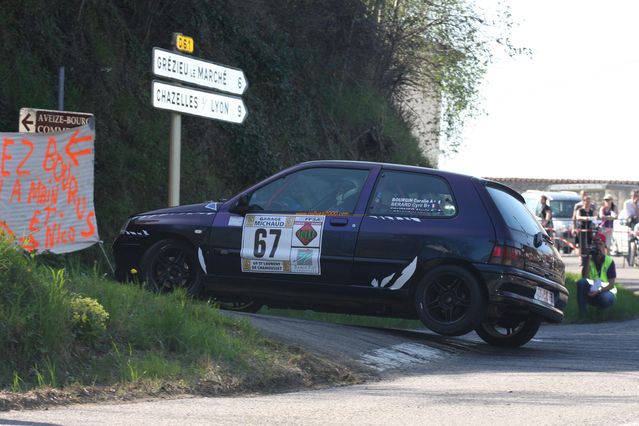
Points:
[(508, 332), (632, 253), (170, 264), (450, 301)]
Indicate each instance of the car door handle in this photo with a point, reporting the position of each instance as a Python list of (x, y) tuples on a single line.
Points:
[(339, 221)]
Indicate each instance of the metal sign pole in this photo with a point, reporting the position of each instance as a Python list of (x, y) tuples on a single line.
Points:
[(61, 88), (174, 159)]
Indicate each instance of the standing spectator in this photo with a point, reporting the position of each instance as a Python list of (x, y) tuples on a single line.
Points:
[(630, 210), (600, 270), (607, 214), (575, 229), (545, 213), (585, 226)]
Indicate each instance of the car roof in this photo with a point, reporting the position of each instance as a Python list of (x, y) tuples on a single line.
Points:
[(389, 166)]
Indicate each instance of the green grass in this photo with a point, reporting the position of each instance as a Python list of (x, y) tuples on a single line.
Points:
[(80, 328), (625, 307)]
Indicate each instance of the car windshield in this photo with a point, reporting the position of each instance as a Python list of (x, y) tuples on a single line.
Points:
[(562, 208), (515, 213)]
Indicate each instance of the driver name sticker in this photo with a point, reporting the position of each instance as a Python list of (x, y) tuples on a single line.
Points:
[(283, 244)]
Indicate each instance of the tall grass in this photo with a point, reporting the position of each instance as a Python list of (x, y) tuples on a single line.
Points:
[(125, 334), (35, 318)]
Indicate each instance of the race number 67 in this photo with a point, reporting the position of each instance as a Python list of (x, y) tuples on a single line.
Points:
[(261, 242)]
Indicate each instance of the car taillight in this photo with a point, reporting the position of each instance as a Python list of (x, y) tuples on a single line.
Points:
[(509, 256)]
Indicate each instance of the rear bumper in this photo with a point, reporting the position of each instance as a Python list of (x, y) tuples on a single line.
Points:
[(511, 289)]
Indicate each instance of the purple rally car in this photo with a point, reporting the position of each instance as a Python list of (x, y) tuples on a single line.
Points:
[(458, 252)]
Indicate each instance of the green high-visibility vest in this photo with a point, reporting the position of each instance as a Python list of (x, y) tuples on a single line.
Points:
[(592, 273)]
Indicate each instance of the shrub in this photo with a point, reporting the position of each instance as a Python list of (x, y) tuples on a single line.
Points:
[(89, 319)]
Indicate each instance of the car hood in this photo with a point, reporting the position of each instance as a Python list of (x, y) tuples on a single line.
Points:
[(207, 207)]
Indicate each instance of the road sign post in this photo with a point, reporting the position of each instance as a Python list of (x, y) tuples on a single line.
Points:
[(186, 100)]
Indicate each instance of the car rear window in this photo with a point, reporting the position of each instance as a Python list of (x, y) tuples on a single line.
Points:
[(412, 194), (514, 212)]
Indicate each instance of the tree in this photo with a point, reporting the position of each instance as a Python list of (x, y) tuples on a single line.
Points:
[(442, 47)]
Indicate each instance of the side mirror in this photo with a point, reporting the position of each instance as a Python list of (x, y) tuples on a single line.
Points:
[(538, 239), (242, 206)]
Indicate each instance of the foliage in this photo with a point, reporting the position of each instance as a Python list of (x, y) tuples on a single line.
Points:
[(58, 329), (442, 49), (324, 79), (89, 318)]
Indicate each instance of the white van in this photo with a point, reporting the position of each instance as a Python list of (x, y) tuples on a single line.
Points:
[(562, 204)]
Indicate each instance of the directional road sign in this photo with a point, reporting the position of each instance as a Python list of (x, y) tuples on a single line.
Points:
[(34, 120), (198, 102), (198, 72)]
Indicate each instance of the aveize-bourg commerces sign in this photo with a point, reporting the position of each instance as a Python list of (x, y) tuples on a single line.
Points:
[(46, 189)]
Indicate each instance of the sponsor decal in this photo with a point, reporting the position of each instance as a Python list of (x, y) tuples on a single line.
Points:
[(141, 233), (394, 281), (306, 233), (285, 244), (212, 206), (236, 220), (397, 218)]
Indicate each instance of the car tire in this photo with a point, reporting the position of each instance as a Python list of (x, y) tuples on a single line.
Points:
[(508, 332), (249, 306), (449, 300), (632, 253), (169, 264)]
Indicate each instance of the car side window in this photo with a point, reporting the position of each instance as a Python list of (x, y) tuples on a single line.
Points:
[(412, 194), (311, 190)]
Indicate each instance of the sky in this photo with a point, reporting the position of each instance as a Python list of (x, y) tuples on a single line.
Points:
[(571, 109)]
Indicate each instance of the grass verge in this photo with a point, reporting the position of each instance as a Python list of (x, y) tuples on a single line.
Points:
[(80, 336), (625, 307)]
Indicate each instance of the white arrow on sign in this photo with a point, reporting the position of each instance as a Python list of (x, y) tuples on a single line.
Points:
[(198, 72), (198, 102)]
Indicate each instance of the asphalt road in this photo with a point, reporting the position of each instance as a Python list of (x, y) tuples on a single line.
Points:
[(578, 374)]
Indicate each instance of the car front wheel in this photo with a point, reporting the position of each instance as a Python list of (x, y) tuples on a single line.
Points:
[(169, 264), (450, 301), (240, 305), (508, 332)]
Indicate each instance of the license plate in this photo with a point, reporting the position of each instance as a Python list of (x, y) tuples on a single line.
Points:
[(545, 296)]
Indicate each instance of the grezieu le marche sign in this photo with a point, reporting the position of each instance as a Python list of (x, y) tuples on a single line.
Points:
[(194, 71)]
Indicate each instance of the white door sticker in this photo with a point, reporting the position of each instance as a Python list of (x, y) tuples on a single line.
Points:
[(284, 244)]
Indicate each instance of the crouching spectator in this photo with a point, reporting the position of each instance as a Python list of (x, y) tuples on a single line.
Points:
[(597, 284)]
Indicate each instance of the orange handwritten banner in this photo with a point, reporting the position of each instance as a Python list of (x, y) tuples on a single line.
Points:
[(46, 189)]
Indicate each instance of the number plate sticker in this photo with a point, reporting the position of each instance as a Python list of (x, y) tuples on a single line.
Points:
[(545, 296), (282, 244)]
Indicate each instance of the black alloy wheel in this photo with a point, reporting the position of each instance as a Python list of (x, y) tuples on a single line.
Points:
[(632, 253), (240, 305), (450, 300), (170, 264), (508, 332)]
